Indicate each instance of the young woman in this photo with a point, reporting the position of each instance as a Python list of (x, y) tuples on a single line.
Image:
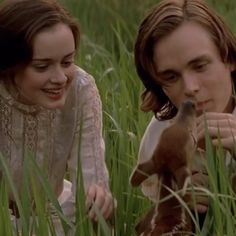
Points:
[(50, 107), (185, 51)]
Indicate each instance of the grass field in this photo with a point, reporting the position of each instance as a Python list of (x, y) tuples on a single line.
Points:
[(106, 51), (109, 29)]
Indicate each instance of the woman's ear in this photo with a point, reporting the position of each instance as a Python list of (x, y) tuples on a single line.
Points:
[(142, 172)]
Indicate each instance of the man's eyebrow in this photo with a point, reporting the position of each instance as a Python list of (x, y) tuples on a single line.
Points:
[(198, 59), (191, 62), (167, 71), (49, 59)]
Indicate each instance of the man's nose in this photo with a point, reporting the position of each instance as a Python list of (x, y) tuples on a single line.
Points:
[(191, 85)]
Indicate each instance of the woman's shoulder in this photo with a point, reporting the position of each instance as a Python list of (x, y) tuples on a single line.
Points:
[(84, 87), (82, 78)]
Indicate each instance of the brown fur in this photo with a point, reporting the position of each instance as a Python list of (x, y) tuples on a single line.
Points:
[(171, 162)]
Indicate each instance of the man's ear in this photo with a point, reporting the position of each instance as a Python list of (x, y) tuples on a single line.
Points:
[(232, 67), (142, 172)]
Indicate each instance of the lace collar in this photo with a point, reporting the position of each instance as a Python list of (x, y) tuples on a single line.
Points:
[(9, 98)]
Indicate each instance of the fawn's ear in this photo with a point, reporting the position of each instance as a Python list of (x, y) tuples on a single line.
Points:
[(142, 172)]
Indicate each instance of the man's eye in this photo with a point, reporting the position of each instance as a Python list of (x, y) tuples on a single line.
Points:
[(169, 78), (201, 66)]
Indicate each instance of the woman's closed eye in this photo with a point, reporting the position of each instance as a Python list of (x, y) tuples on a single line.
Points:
[(67, 63), (40, 67)]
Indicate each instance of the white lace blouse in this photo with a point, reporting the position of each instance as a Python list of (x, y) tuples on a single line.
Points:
[(57, 138)]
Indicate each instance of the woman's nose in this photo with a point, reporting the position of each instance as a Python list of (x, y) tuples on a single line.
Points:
[(59, 76)]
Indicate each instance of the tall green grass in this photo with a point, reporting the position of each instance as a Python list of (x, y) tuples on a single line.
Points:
[(109, 28)]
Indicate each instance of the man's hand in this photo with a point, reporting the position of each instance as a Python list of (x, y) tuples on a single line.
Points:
[(199, 201)]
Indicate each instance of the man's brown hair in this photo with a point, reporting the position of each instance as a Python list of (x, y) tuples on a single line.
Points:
[(163, 19)]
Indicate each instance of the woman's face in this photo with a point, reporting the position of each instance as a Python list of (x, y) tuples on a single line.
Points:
[(189, 67), (47, 79)]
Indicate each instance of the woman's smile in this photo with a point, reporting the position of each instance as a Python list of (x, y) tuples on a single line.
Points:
[(54, 93)]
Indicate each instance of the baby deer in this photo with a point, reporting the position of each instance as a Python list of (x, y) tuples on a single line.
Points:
[(171, 161)]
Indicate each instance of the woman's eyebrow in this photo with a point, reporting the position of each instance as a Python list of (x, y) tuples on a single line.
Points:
[(49, 59), (69, 54), (41, 59)]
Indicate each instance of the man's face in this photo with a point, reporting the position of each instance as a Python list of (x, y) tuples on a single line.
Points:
[(189, 67)]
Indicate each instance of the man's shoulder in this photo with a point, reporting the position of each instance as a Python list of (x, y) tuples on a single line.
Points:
[(156, 126), (151, 138)]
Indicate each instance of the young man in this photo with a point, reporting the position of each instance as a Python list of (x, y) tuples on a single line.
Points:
[(185, 51)]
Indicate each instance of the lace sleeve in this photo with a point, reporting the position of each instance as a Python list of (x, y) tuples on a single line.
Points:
[(89, 144)]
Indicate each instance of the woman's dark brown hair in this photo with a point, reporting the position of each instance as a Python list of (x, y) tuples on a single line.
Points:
[(159, 23), (20, 22)]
